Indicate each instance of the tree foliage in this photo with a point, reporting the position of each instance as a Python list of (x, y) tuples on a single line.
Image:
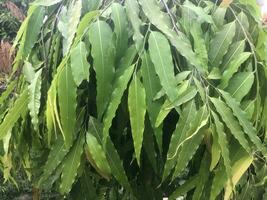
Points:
[(138, 99)]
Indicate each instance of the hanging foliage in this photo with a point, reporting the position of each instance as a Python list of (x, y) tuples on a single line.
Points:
[(139, 99)]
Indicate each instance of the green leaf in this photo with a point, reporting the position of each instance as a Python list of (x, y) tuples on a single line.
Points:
[(98, 155), (220, 44), (239, 168), (199, 11), (231, 122), (71, 165), (132, 11), (46, 2), (215, 148), (35, 96), (55, 158), (184, 97), (233, 68), (79, 65), (68, 22), (162, 22), (14, 113), (137, 111), (244, 122), (163, 113), (240, 85), (7, 92), (100, 36), (32, 30), (84, 24), (222, 140), (187, 115), (160, 54), (120, 86), (119, 18), (116, 165), (152, 85), (199, 44), (28, 71), (190, 141), (184, 188), (235, 49), (67, 104)]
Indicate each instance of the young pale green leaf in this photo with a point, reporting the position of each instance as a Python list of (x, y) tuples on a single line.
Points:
[(244, 122), (235, 49), (219, 16), (120, 86), (231, 122), (190, 141), (79, 65), (182, 127), (100, 36), (163, 112), (35, 96), (137, 111), (97, 154), (68, 22), (14, 113), (46, 2), (119, 18), (71, 165), (55, 158), (240, 85), (67, 104), (116, 165), (222, 140), (160, 54), (162, 21), (132, 11), (220, 44), (233, 68), (28, 71)]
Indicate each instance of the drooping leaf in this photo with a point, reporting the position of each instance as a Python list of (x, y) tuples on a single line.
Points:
[(120, 86), (162, 21), (19, 107), (235, 49), (137, 111), (55, 158), (132, 11), (119, 18), (68, 22), (152, 85), (215, 148), (97, 154), (160, 54), (100, 36), (67, 104), (232, 68), (182, 127), (222, 140), (240, 85), (71, 165), (220, 44), (231, 122), (116, 165), (189, 142), (35, 95), (244, 122), (79, 65)]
